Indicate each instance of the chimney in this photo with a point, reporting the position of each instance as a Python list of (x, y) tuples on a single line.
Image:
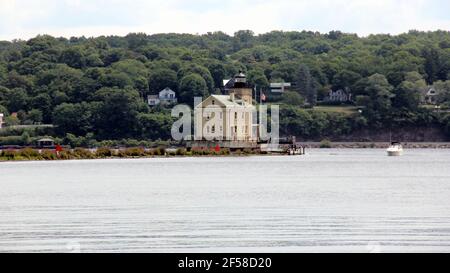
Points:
[(232, 96)]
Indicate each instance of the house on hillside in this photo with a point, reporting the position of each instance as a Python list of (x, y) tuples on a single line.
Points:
[(227, 117), (340, 95), (168, 96), (153, 100), (165, 97), (430, 95), (279, 87), (1, 120)]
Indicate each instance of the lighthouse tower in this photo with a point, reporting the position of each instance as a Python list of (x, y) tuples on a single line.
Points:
[(239, 88)]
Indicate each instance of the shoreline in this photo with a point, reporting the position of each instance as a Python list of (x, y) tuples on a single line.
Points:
[(140, 157), (375, 145), (168, 155)]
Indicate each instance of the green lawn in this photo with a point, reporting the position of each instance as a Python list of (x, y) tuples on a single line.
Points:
[(429, 106), (337, 109)]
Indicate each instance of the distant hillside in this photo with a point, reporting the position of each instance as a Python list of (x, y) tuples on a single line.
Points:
[(96, 87)]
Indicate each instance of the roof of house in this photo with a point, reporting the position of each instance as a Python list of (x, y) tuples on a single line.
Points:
[(343, 91), (280, 84), (45, 140), (432, 91), (152, 96), (428, 91), (226, 100), (167, 89)]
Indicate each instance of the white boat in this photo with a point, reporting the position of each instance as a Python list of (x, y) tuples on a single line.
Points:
[(296, 150), (395, 149)]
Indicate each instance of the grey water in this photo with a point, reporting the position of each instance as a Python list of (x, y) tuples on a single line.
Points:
[(336, 200)]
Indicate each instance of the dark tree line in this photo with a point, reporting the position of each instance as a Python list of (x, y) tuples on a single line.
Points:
[(98, 86)]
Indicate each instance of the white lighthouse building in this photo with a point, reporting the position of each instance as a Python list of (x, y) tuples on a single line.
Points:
[(227, 117)]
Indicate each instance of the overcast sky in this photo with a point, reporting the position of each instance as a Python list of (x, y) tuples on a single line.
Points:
[(23, 19)]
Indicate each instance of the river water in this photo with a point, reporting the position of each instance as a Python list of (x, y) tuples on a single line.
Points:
[(348, 200)]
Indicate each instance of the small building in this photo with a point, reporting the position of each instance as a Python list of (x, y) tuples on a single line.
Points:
[(340, 95), (153, 100), (1, 120), (279, 87), (165, 97), (430, 96), (46, 143)]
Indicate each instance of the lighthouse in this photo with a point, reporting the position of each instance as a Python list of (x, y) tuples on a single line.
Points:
[(239, 89)]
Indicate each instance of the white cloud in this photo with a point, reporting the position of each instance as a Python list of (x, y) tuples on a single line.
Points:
[(27, 18)]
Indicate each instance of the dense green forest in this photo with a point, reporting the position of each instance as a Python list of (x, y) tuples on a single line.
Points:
[(94, 88)]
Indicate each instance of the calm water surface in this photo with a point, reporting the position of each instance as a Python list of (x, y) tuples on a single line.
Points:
[(330, 200)]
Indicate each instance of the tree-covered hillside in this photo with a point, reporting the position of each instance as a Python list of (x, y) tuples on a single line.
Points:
[(96, 87)]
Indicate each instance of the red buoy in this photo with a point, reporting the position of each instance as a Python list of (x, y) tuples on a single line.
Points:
[(58, 148)]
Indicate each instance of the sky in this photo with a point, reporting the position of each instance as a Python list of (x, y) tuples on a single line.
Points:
[(24, 19)]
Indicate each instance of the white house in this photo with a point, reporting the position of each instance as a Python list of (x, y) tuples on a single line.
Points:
[(227, 117), (1, 120), (165, 97), (279, 87), (339, 96), (430, 95)]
